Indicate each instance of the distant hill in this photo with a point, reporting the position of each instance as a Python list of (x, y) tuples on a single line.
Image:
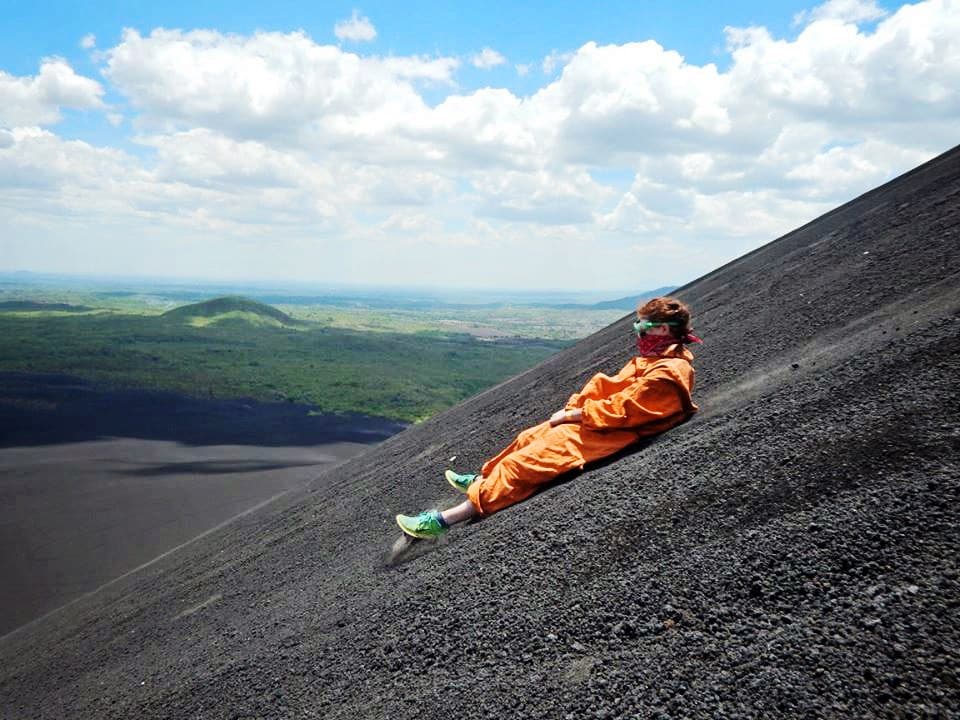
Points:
[(633, 301), (627, 304), (224, 309), (30, 305)]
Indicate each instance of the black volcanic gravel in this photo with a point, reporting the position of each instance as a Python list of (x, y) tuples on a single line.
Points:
[(791, 552)]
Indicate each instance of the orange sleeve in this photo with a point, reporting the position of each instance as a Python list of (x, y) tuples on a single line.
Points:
[(574, 402), (650, 399), (590, 389), (598, 386)]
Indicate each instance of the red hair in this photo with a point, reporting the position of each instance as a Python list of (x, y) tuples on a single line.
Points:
[(667, 310)]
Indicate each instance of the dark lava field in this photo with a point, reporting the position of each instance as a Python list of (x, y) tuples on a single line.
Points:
[(791, 552)]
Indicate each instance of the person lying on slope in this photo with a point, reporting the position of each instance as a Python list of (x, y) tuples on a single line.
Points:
[(649, 395)]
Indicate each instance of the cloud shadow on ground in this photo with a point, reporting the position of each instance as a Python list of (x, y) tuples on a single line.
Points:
[(45, 409)]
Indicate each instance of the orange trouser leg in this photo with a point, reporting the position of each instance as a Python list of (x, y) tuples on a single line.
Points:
[(535, 457)]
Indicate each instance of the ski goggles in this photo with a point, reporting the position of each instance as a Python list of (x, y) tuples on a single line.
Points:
[(641, 326)]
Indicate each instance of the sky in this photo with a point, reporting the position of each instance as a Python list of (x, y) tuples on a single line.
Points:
[(612, 146)]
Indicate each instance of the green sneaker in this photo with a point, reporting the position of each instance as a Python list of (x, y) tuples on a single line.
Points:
[(427, 524), (460, 482)]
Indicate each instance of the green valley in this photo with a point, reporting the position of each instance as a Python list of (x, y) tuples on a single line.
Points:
[(236, 347)]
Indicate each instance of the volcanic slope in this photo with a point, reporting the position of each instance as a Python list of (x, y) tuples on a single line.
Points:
[(790, 552)]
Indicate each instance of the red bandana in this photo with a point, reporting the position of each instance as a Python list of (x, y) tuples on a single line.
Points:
[(655, 345)]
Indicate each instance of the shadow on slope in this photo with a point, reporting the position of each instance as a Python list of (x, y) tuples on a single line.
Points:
[(43, 409), (790, 552)]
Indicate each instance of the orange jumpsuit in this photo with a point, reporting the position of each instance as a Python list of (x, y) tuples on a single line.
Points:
[(648, 396)]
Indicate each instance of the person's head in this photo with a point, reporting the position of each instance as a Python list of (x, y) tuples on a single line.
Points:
[(662, 316)]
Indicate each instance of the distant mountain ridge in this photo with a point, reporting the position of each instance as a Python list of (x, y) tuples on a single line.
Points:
[(352, 297), (30, 305), (230, 307), (631, 302)]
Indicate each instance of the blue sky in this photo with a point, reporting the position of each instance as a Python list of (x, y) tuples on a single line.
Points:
[(547, 145), (527, 31)]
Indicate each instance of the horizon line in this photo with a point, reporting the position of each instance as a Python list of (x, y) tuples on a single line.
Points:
[(278, 283)]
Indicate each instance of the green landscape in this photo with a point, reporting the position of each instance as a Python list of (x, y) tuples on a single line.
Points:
[(404, 362)]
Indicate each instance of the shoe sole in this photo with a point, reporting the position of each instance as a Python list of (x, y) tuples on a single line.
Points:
[(449, 475), (411, 533)]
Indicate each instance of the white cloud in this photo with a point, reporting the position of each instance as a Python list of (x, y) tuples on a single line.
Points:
[(759, 215), (88, 41), (559, 197), (555, 60), (661, 105), (487, 58), (275, 136), (489, 128), (407, 222), (201, 157), (201, 181), (268, 85), (419, 67), (38, 100), (852, 11), (523, 69), (842, 171), (115, 119), (907, 68), (356, 29), (37, 158)]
